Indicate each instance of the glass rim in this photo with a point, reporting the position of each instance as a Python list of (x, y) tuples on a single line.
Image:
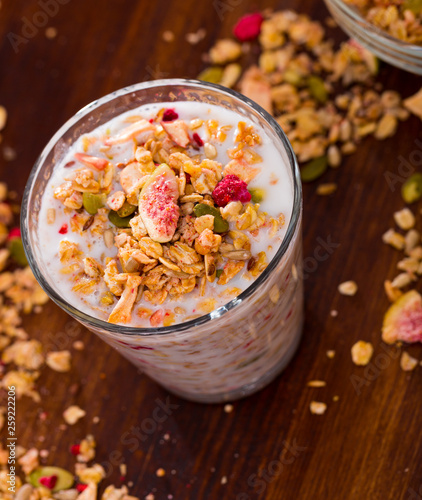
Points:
[(97, 323), (380, 34)]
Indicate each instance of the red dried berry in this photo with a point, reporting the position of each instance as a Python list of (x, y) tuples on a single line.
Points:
[(48, 481), (188, 177), (75, 449), (63, 229), (231, 188), (198, 140), (169, 115), (248, 27), (81, 487), (14, 233)]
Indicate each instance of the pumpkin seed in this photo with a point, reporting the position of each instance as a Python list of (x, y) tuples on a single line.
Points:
[(114, 218), (126, 209), (92, 202), (220, 225), (317, 89), (64, 481), (213, 74), (314, 169), (218, 273), (258, 194), (17, 252), (412, 189)]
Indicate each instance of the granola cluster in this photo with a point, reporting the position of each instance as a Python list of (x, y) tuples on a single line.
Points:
[(179, 219), (401, 19), (324, 97)]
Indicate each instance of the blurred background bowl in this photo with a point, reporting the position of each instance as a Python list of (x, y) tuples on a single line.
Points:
[(401, 54)]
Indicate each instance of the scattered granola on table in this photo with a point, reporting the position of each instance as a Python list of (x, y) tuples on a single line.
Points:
[(323, 96)]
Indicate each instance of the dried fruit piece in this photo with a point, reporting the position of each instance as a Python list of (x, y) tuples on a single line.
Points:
[(214, 74), (118, 221), (314, 169), (64, 479), (231, 188), (92, 161), (93, 202), (403, 319), (220, 225), (169, 115), (411, 190), (158, 204), (248, 27), (177, 131)]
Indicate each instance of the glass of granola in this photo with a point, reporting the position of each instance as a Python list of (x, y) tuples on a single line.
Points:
[(391, 30), (166, 218)]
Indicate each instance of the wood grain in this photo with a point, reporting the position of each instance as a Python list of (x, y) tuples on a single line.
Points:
[(368, 444)]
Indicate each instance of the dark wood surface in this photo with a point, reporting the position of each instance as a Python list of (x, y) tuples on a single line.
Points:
[(368, 444)]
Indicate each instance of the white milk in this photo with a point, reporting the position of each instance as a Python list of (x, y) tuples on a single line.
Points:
[(274, 177)]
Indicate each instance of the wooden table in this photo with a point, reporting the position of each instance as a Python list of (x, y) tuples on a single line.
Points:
[(368, 444)]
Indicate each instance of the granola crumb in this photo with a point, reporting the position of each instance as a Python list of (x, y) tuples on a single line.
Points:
[(362, 352), (150, 496), (72, 414), (51, 32), (334, 313), (166, 436), (330, 354), (95, 420), (160, 472), (326, 189), (336, 398), (3, 117), (317, 408), (59, 361), (404, 219), (195, 38), (316, 383), (407, 362), (224, 480), (228, 408), (9, 154), (78, 345), (168, 36), (348, 288)]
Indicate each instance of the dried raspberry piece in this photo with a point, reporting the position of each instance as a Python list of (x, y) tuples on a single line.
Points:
[(81, 487), (231, 188), (14, 233), (248, 27), (188, 177), (198, 140), (63, 229), (48, 481), (169, 115), (75, 449)]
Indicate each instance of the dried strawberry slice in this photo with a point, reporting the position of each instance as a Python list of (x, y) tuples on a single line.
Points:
[(248, 27), (48, 481), (231, 188)]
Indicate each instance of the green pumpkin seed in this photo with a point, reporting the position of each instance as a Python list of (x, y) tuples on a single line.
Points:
[(258, 194), (93, 202), (65, 479), (213, 74), (314, 169), (317, 89), (218, 273), (411, 190), (122, 222), (126, 209), (220, 225), (17, 252), (292, 77), (414, 5)]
